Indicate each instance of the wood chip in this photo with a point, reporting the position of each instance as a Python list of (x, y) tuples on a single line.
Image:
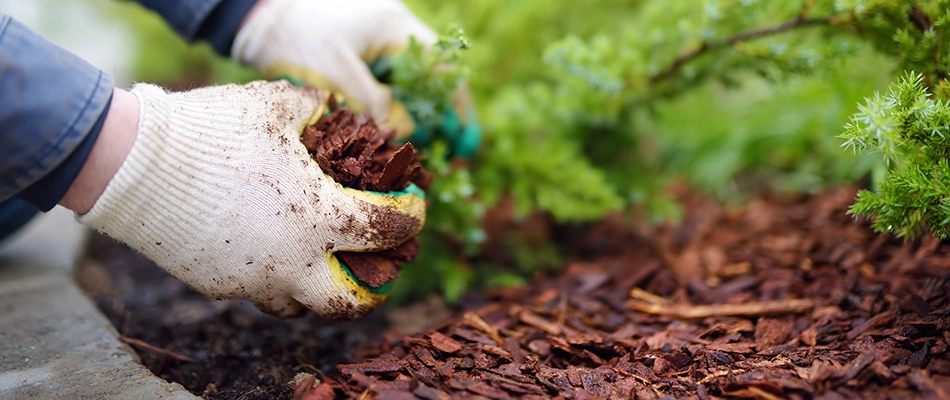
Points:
[(355, 153), (858, 315), (444, 343), (370, 367)]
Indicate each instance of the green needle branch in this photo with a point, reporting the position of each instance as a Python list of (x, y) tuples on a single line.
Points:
[(799, 22)]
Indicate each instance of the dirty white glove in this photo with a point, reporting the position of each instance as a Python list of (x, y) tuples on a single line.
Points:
[(219, 191), (326, 44)]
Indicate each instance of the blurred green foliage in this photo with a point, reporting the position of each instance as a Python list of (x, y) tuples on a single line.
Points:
[(596, 106), (163, 57), (599, 86), (424, 81)]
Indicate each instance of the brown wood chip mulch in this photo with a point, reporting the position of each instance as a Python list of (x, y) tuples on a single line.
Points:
[(784, 299)]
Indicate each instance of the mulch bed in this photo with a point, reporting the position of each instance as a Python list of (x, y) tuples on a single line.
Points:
[(787, 298)]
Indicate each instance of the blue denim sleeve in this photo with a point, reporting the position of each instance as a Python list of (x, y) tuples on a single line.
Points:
[(52, 104), (214, 21)]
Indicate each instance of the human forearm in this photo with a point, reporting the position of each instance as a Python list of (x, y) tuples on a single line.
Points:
[(109, 151)]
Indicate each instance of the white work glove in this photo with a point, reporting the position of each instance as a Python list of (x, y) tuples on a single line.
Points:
[(219, 191), (326, 44)]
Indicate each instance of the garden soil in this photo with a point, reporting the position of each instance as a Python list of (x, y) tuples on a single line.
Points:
[(785, 298)]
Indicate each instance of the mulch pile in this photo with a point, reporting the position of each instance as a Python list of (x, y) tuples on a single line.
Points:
[(789, 298), (354, 152)]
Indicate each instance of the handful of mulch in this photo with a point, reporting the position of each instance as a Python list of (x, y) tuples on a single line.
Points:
[(353, 151)]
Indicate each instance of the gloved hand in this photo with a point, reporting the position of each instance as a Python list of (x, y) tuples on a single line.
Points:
[(327, 44), (218, 191)]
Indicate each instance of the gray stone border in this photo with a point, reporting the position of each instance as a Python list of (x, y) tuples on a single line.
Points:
[(54, 342)]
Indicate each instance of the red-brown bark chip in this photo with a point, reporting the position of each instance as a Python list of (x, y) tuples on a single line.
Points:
[(445, 343), (354, 152)]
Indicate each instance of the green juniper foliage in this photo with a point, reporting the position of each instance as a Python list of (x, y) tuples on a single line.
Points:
[(563, 132), (910, 130), (424, 81), (728, 95), (586, 102)]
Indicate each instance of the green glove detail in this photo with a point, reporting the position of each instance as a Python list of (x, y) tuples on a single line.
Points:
[(463, 140)]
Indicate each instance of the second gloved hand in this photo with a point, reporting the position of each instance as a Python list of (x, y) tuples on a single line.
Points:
[(219, 191), (327, 44)]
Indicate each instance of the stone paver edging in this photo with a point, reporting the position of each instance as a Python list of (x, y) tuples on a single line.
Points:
[(54, 342)]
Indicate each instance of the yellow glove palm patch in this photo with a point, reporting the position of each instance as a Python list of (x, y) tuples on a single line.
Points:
[(346, 281)]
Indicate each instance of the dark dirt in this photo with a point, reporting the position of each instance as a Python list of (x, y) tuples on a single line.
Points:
[(354, 152), (787, 298), (237, 351)]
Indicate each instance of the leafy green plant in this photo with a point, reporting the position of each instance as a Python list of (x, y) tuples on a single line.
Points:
[(582, 136), (734, 96), (730, 96), (424, 81)]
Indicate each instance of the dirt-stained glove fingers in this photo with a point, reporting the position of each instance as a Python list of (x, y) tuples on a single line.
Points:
[(365, 221), (334, 294)]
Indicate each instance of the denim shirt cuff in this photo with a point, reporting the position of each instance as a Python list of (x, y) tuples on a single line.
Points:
[(214, 21), (55, 100), (223, 23)]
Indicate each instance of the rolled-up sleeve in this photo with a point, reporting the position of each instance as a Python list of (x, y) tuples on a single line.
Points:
[(52, 104), (214, 21)]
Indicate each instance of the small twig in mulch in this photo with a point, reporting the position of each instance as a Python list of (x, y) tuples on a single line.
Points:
[(473, 320), (155, 349), (649, 303)]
